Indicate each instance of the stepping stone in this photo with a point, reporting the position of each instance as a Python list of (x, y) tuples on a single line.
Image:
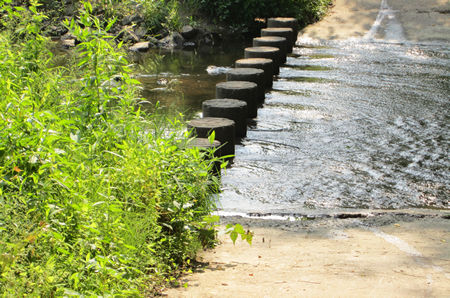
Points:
[(223, 128), (254, 75), (232, 109), (273, 41), (242, 90), (265, 52), (204, 145), (261, 63), (283, 23), (287, 33)]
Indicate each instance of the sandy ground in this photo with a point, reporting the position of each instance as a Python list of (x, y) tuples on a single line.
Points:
[(380, 254), (385, 255)]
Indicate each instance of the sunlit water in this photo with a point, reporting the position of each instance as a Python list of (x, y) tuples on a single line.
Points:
[(348, 124), (352, 124)]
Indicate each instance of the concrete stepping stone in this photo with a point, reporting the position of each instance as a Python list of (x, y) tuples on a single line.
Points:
[(254, 75), (261, 63), (265, 52), (232, 109), (283, 23), (287, 33), (273, 41), (242, 90), (223, 128)]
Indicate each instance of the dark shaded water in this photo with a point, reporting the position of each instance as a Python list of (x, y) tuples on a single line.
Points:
[(352, 124), (183, 79)]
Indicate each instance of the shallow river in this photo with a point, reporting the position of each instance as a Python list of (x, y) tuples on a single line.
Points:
[(354, 124)]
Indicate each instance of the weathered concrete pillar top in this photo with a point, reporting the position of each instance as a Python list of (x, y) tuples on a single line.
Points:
[(279, 30), (203, 143), (270, 38), (236, 85), (210, 122), (286, 32), (224, 103), (261, 63), (262, 49), (245, 71), (254, 61), (229, 108), (283, 22)]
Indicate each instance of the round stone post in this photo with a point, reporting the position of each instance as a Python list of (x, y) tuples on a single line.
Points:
[(242, 90), (273, 41), (232, 109), (287, 33), (204, 145), (283, 23), (261, 63), (223, 128), (254, 75), (266, 52)]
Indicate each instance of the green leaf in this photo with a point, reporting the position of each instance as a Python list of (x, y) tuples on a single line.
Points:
[(239, 229), (212, 137), (234, 236)]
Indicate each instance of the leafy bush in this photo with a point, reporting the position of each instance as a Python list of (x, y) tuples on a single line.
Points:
[(96, 196), (243, 12), (162, 14)]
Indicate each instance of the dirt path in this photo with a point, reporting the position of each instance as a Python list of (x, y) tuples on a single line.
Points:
[(381, 256), (400, 254)]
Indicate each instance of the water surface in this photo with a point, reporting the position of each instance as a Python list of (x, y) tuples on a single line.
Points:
[(359, 124), (351, 124)]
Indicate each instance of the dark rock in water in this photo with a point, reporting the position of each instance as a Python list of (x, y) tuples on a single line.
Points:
[(172, 41), (189, 45), (134, 18), (188, 32), (141, 47)]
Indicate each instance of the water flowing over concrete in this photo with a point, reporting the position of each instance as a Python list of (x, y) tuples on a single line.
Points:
[(359, 122)]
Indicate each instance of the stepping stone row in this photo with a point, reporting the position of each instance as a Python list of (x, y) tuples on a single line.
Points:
[(239, 97)]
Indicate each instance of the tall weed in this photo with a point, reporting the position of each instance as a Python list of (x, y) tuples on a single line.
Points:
[(96, 196)]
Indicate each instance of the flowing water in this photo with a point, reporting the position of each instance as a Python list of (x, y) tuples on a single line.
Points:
[(360, 124), (352, 124)]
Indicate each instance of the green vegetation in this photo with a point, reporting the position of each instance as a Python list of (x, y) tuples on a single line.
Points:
[(96, 196), (240, 14), (171, 15)]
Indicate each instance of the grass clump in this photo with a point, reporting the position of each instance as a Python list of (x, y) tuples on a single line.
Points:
[(96, 196)]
